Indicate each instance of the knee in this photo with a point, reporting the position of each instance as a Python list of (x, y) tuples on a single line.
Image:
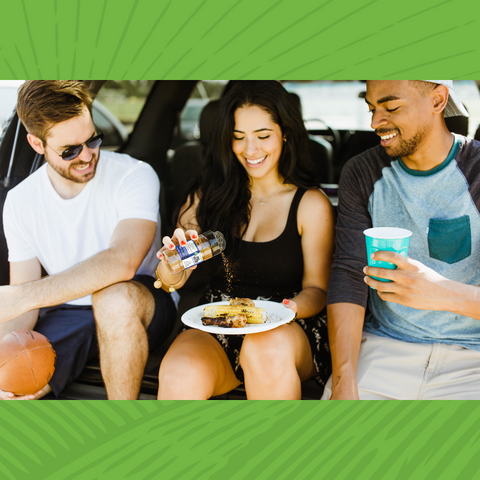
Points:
[(180, 378), (119, 305), (266, 353), (190, 369), (174, 372)]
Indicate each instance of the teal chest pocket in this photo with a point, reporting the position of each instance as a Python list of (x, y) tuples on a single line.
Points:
[(450, 240)]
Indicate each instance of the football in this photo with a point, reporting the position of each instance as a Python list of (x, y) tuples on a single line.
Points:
[(27, 362)]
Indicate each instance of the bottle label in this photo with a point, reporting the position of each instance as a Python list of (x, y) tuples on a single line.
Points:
[(189, 254)]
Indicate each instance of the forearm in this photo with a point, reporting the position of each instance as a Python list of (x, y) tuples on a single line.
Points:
[(310, 301), (345, 326), (461, 299), (99, 271)]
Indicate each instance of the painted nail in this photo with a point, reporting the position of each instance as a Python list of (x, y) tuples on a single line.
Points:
[(159, 256), (194, 237), (286, 301), (183, 242), (171, 246)]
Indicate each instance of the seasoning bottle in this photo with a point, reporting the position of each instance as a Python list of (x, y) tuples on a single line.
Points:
[(206, 246)]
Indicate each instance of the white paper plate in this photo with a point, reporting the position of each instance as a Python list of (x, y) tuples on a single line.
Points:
[(277, 314)]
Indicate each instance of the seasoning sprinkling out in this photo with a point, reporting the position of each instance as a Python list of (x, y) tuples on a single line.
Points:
[(229, 273)]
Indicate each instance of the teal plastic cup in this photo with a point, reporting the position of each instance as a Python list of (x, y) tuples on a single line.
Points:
[(388, 239)]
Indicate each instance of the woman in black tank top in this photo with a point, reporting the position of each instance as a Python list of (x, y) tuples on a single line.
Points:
[(258, 188)]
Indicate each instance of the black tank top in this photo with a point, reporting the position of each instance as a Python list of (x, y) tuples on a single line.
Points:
[(265, 269)]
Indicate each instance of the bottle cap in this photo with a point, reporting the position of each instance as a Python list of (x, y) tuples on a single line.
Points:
[(221, 240)]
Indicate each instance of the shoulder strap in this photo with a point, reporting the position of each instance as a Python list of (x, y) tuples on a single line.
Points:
[(292, 214)]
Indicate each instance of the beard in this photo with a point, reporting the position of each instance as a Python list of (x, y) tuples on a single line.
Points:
[(76, 177), (406, 146)]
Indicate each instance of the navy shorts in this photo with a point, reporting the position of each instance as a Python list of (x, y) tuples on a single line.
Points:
[(72, 332)]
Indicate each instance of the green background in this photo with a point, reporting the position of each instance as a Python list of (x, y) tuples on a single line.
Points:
[(238, 439), (212, 39)]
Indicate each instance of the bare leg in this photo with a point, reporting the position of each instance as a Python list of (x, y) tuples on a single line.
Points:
[(195, 368), (122, 314), (276, 362)]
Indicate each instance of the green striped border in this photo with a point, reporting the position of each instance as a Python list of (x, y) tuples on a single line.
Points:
[(239, 39), (238, 439)]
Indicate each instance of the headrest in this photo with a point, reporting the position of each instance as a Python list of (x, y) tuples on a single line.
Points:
[(457, 124), (207, 118)]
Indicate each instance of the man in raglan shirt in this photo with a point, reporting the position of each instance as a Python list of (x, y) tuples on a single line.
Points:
[(420, 338), (90, 219)]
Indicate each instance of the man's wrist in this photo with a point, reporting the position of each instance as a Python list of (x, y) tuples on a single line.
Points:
[(461, 299), (344, 375), (343, 380), (344, 388), (24, 298)]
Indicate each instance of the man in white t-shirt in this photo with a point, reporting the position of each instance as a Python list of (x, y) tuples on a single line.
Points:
[(90, 219)]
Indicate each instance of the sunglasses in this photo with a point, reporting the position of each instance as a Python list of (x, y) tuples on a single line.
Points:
[(75, 150)]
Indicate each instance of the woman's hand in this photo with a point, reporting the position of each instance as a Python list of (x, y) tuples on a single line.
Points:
[(179, 237), (167, 278), (290, 304)]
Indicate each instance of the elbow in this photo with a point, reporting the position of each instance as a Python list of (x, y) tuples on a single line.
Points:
[(127, 272), (129, 275), (131, 272), (125, 265), (319, 290)]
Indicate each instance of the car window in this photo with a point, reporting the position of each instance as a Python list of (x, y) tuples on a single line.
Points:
[(204, 91), (8, 99), (115, 131), (7, 103), (112, 137), (468, 93), (341, 105), (125, 99), (336, 103)]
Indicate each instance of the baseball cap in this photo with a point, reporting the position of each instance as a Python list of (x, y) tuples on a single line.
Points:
[(454, 106)]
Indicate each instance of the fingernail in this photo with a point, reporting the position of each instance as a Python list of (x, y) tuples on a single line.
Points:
[(364, 269), (159, 256), (372, 255), (183, 242), (365, 279), (286, 302), (171, 246), (194, 236)]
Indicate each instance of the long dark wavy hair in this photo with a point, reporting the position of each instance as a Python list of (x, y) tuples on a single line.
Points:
[(224, 187)]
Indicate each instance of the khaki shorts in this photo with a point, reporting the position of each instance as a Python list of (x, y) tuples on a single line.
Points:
[(391, 369)]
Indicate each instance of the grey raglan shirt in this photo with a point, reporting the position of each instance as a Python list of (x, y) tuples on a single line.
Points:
[(441, 207)]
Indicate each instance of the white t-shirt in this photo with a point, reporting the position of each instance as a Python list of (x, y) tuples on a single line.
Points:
[(61, 233)]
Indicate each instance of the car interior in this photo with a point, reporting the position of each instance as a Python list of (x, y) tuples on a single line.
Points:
[(156, 138)]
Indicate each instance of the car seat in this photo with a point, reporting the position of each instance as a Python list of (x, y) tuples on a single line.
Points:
[(457, 125), (14, 167), (186, 160)]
